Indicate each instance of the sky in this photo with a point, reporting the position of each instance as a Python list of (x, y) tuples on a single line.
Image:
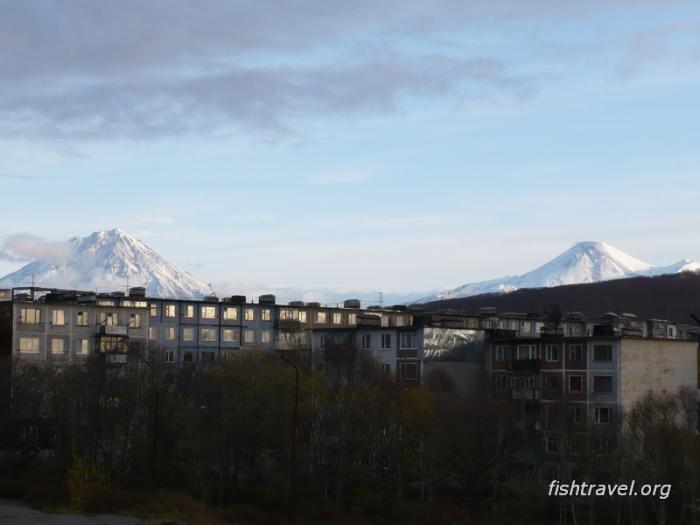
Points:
[(394, 146)]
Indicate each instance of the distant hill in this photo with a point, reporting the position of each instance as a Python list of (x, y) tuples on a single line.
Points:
[(673, 297)]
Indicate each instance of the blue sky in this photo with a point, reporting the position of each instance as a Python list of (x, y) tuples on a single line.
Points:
[(393, 147)]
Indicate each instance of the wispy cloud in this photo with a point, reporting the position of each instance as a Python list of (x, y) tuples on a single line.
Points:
[(22, 247)]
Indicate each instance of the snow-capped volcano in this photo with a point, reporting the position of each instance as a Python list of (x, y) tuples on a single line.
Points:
[(104, 261), (584, 262)]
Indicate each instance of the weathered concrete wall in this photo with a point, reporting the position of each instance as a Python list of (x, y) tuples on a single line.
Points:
[(662, 366)]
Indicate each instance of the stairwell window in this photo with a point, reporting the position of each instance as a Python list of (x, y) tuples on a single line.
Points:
[(135, 320), (30, 316), (386, 342)]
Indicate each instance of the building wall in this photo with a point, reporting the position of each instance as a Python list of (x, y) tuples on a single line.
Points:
[(663, 366)]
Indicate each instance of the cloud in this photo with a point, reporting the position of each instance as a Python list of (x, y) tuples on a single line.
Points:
[(22, 247)]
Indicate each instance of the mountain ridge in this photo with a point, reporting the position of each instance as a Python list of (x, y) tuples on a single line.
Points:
[(584, 262)]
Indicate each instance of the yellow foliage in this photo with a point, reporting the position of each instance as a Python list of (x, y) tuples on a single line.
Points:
[(84, 478)]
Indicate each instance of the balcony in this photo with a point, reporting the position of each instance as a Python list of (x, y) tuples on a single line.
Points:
[(525, 365), (368, 320), (113, 330), (528, 394), (288, 325)]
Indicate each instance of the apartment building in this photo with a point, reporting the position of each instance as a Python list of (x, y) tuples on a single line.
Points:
[(575, 378)]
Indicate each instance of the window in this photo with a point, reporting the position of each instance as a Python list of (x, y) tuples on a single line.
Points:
[(207, 334), (386, 341), (551, 445), (30, 316), (109, 318), (169, 310), (230, 335), (135, 320), (407, 341), (230, 313), (337, 318), (208, 357), (552, 383), (266, 336), (169, 356), (602, 352), (249, 314), (576, 415), (29, 344), (408, 370), (82, 319), (386, 369), (84, 346), (302, 316), (529, 382), (323, 342), (207, 312), (248, 336), (366, 341), (288, 314), (187, 357), (603, 415), (551, 352), (575, 384), (58, 317), (188, 334), (188, 311), (501, 352), (170, 333), (265, 314), (671, 332), (575, 352), (57, 345), (153, 310), (320, 317), (604, 444), (501, 382), (152, 333), (352, 318), (602, 384), (527, 352)]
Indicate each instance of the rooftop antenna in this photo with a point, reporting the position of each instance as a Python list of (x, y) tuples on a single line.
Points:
[(381, 299), (211, 289)]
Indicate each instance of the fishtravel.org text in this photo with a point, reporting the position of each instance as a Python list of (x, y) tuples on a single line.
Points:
[(631, 489)]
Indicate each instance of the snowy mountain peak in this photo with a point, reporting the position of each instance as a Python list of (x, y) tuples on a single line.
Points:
[(106, 260), (584, 262)]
